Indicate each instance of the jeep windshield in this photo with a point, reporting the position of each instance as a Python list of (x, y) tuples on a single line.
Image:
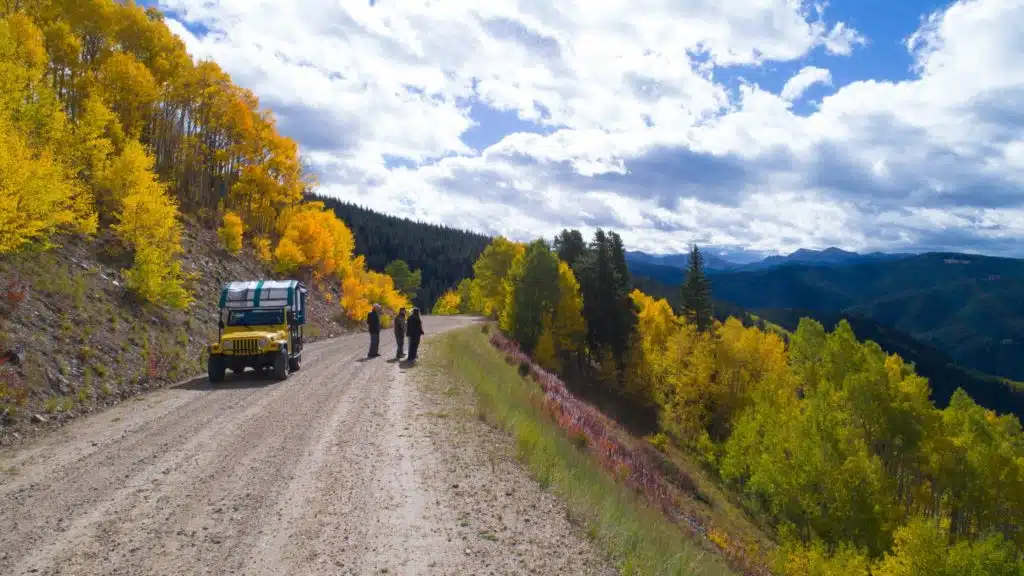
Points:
[(271, 317)]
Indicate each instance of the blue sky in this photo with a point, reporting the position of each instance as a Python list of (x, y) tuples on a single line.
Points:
[(739, 124)]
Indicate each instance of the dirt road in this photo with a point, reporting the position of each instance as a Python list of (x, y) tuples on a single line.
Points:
[(339, 470)]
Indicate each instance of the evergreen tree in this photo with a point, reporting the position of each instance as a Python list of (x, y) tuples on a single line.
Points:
[(570, 246), (623, 312), (605, 284), (617, 253), (696, 293)]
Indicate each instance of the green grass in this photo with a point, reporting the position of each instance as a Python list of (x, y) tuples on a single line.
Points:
[(637, 538), (56, 404)]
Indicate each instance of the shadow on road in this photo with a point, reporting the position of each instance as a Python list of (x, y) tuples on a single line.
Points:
[(248, 379)]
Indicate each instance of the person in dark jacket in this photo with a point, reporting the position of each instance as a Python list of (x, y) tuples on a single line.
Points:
[(415, 330), (400, 333), (373, 325)]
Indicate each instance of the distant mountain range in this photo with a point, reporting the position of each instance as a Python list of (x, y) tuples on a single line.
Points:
[(716, 263), (826, 257), (711, 261)]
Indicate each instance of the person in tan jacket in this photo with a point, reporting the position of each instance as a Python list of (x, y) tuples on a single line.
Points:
[(400, 333)]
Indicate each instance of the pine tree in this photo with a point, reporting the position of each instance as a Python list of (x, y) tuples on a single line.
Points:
[(570, 246), (696, 293), (607, 307), (623, 312)]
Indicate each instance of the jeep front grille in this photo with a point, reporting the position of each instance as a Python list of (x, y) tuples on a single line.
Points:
[(246, 347)]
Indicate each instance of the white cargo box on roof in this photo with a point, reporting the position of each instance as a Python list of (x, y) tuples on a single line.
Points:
[(262, 294)]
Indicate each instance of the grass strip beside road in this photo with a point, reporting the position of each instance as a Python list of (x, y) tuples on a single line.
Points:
[(636, 537)]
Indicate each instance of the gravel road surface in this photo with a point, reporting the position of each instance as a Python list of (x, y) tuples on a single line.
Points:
[(348, 467)]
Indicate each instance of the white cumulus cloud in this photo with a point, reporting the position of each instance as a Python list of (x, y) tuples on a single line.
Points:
[(807, 76), (629, 120)]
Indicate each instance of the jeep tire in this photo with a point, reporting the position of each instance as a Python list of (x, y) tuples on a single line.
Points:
[(215, 368), (281, 365)]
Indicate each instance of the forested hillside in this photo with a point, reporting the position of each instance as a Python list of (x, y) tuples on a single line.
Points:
[(944, 374), (971, 307), (152, 174), (834, 445), (444, 255)]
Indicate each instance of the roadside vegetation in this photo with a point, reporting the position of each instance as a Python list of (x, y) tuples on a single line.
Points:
[(833, 447), (636, 535)]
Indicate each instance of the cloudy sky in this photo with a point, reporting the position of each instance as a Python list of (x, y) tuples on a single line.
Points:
[(745, 124)]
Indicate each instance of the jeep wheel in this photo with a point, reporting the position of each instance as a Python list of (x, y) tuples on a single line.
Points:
[(281, 366), (215, 368), (293, 363)]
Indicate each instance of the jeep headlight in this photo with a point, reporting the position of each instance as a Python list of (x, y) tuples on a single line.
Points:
[(228, 345), (264, 343)]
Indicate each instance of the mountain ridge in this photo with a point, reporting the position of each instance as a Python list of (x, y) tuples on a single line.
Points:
[(969, 306), (717, 263)]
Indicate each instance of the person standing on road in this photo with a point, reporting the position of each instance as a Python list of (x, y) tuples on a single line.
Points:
[(400, 333), (373, 325), (415, 332)]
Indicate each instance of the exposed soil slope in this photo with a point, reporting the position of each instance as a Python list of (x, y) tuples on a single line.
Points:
[(86, 344)]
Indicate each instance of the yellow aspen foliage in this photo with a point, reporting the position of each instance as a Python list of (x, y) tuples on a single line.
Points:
[(686, 392), (920, 548), (510, 281), (65, 51), (25, 99), (120, 74), (648, 366), (130, 89), (448, 304), (795, 559), (490, 271), (22, 61), (29, 44), (149, 223), (156, 278), (231, 231), (95, 138), (745, 358), (568, 327), (353, 298), (658, 320), (131, 172), (288, 256), (380, 288), (544, 353), (37, 198), (324, 242), (469, 297), (262, 246)]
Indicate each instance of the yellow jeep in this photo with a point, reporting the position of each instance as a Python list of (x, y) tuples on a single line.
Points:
[(260, 327)]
